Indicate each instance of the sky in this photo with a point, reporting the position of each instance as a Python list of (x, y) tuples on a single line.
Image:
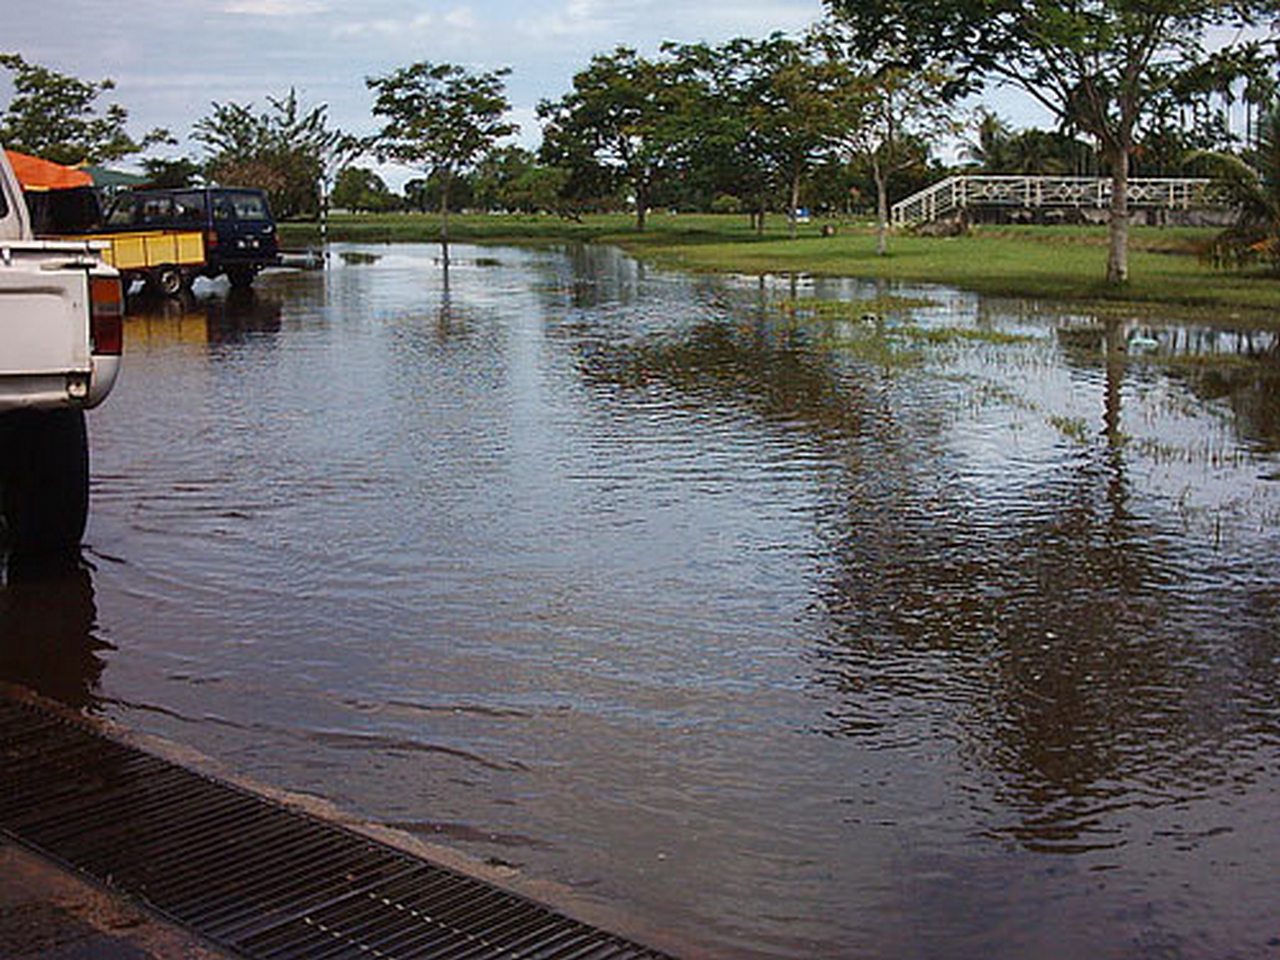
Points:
[(172, 59)]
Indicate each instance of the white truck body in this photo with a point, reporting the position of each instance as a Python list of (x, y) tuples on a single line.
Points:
[(61, 332), (47, 355)]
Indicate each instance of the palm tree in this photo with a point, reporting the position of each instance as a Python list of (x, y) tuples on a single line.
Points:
[(990, 151), (1255, 188)]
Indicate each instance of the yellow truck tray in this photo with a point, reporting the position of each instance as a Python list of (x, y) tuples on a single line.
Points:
[(146, 249)]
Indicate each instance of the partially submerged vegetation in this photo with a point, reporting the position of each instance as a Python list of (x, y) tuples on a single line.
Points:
[(1169, 266), (871, 308), (882, 330)]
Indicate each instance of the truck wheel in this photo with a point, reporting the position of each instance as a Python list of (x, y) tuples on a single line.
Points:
[(241, 277), (44, 481), (167, 280)]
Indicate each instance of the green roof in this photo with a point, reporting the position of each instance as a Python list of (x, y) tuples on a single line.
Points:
[(102, 177)]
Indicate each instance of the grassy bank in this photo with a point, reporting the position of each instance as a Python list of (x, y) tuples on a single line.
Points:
[(1051, 262)]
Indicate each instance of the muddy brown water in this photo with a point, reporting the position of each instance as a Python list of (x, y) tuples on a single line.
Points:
[(920, 626)]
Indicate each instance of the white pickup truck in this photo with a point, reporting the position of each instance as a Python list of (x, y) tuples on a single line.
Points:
[(61, 332)]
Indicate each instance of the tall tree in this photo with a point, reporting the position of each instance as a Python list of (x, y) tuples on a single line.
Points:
[(902, 108), (285, 150), (799, 104), (1097, 65), (892, 109), (1254, 184), (720, 124), (998, 149), (357, 188), (513, 179), (755, 116), (55, 116), (443, 119), (496, 172), (990, 146), (169, 173), (615, 121), (540, 189)]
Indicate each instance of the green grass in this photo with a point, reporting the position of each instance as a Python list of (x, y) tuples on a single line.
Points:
[(1072, 428), (1052, 262)]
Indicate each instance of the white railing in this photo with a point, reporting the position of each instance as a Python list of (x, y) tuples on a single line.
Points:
[(957, 193)]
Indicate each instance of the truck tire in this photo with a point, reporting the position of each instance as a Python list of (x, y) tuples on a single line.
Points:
[(167, 280), (44, 481), (241, 277)]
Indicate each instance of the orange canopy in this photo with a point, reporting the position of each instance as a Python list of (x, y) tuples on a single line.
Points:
[(36, 174)]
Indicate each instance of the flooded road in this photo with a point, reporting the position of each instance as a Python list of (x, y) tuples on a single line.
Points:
[(812, 619)]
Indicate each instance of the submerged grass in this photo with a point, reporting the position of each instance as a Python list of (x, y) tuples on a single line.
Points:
[(1057, 262), (871, 308), (873, 329), (1072, 428), (944, 335)]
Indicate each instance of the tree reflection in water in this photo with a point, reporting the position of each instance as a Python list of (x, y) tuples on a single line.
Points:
[(1079, 650), (1059, 638)]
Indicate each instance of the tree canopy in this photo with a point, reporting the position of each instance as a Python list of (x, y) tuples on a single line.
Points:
[(1100, 66), (1255, 187), (745, 121), (759, 115), (854, 107), (613, 126), (358, 188), (285, 150), (892, 110), (441, 118), (55, 116)]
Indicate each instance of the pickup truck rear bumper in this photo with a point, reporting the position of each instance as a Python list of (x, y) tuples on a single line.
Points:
[(84, 390)]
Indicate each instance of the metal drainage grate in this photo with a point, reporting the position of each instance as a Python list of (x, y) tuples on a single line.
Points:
[(251, 875)]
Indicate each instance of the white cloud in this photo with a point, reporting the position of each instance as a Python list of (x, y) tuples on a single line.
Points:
[(449, 26), (275, 8), (644, 23), (583, 18), (381, 28), (461, 18)]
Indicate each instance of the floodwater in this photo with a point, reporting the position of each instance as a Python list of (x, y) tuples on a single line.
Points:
[(914, 625)]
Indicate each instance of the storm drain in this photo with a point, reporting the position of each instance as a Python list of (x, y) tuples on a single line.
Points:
[(256, 877)]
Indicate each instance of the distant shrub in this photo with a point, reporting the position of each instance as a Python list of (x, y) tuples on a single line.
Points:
[(726, 203)]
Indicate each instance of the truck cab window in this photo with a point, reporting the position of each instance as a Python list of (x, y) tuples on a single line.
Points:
[(189, 207), (250, 207), (157, 211), (122, 213)]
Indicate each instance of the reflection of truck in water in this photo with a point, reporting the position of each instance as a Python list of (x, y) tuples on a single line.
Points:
[(61, 332)]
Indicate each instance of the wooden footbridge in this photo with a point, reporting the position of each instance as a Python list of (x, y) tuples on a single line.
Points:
[(954, 195)]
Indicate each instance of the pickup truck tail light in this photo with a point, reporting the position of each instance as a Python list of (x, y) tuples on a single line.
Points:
[(106, 315)]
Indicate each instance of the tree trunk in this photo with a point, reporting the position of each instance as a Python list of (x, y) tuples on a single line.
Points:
[(882, 214), (642, 205), (1118, 253), (324, 216), (794, 207), (444, 218)]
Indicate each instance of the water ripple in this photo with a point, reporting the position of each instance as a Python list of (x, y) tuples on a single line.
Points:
[(950, 635)]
